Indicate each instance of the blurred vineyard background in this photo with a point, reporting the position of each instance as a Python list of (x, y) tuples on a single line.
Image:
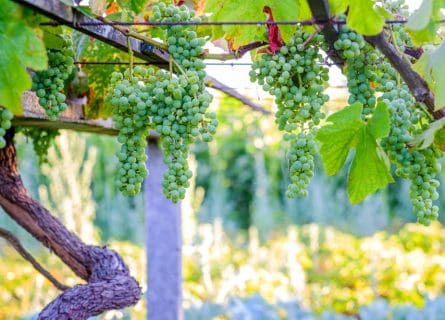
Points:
[(249, 252)]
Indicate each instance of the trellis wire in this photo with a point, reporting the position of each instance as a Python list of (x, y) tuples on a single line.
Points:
[(216, 23), (229, 64)]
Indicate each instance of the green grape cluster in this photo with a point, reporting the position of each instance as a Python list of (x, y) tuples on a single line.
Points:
[(5, 123), (360, 58), (176, 106), (42, 139), (130, 106), (419, 166), (301, 169), (180, 113), (49, 84), (296, 77)]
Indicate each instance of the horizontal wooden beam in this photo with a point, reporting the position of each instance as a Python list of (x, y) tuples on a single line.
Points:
[(60, 12), (73, 118)]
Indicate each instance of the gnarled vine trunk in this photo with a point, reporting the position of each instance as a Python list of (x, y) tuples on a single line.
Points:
[(109, 284)]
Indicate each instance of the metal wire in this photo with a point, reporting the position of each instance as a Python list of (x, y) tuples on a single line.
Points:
[(227, 64), (217, 23)]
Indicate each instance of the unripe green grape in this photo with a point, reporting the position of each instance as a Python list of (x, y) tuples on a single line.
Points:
[(295, 77), (50, 82)]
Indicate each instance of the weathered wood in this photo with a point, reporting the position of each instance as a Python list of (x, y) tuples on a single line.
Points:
[(163, 243), (60, 12), (73, 118), (321, 13)]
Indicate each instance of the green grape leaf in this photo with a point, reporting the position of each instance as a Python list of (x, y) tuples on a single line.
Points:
[(14, 80), (423, 66), (439, 139), (379, 125), (21, 49), (363, 18), (338, 6), (421, 17), (52, 39), (346, 130), (134, 5), (438, 74), (369, 170), (339, 137), (427, 137), (431, 66), (370, 158), (235, 10), (423, 23)]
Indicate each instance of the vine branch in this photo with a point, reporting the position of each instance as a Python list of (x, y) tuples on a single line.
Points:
[(109, 284), (215, 84), (15, 243), (415, 82)]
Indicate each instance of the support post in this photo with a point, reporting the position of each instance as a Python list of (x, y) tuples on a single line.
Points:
[(163, 244)]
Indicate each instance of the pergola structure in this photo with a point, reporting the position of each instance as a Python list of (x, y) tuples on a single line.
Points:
[(162, 218)]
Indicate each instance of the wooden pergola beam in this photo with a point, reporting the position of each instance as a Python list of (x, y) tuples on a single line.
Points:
[(73, 18), (73, 118)]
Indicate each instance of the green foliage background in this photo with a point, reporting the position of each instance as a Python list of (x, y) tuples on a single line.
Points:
[(246, 246)]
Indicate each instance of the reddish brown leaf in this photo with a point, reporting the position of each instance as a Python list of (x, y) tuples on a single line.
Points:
[(273, 32), (178, 2)]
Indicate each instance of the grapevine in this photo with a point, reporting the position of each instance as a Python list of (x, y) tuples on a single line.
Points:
[(49, 84), (180, 103), (296, 78)]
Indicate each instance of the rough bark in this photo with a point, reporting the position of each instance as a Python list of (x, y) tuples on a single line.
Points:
[(109, 284)]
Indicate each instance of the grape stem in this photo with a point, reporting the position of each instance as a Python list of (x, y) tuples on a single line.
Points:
[(170, 66), (130, 52), (318, 29), (130, 33), (179, 67)]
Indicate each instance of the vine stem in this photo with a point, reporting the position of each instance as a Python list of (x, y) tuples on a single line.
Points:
[(170, 66), (160, 45), (130, 52), (179, 67), (130, 33), (313, 34), (16, 244)]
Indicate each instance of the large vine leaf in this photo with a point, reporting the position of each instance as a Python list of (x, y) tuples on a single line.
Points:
[(346, 130), (434, 134), (250, 10), (134, 5), (364, 18), (424, 22), (21, 49), (431, 66), (338, 6)]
